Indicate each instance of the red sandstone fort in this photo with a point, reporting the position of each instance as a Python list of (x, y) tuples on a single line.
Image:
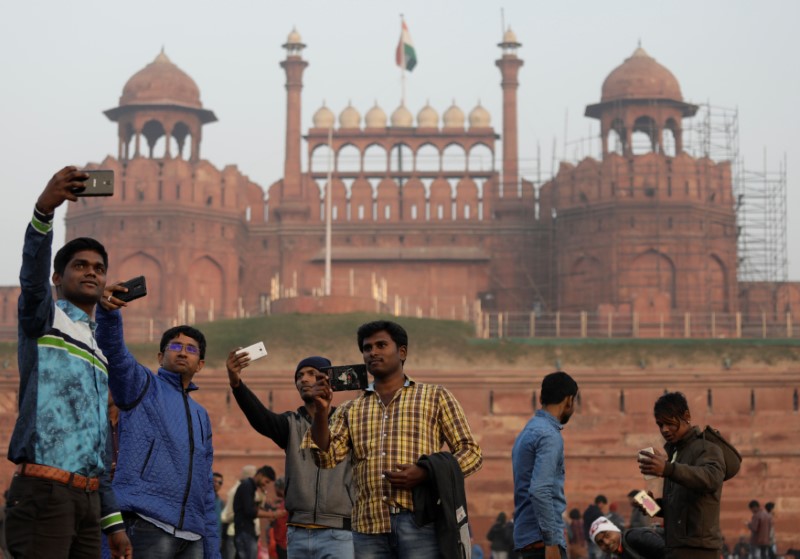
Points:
[(427, 221)]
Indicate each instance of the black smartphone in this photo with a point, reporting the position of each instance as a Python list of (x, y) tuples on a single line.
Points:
[(347, 377), (137, 287), (99, 183)]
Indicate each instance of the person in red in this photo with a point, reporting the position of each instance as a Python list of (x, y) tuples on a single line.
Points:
[(279, 525), (760, 526)]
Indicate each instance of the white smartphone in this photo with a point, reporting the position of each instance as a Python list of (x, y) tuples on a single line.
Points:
[(650, 450), (255, 351), (647, 502)]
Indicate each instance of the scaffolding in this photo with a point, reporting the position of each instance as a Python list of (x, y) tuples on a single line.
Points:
[(759, 194)]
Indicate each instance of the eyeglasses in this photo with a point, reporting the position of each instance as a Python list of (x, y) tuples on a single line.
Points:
[(176, 347)]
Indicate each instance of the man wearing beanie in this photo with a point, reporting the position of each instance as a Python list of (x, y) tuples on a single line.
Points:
[(636, 543), (319, 501)]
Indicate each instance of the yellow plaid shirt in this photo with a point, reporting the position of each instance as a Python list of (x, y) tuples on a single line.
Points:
[(418, 421)]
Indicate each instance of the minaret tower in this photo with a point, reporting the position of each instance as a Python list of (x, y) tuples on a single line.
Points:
[(509, 66), (294, 66)]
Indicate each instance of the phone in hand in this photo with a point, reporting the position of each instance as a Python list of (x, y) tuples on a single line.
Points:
[(137, 287), (347, 377), (650, 450), (648, 503), (99, 183), (255, 351)]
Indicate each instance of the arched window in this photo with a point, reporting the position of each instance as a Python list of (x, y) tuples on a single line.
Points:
[(481, 158), (401, 159), (644, 135), (375, 159), (348, 160), (454, 158), (320, 159), (427, 159), (668, 138)]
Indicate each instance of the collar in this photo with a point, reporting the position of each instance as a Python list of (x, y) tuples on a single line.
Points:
[(175, 379), (408, 382), (75, 314), (690, 435), (549, 417), (303, 412)]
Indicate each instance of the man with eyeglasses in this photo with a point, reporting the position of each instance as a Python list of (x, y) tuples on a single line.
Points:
[(164, 480)]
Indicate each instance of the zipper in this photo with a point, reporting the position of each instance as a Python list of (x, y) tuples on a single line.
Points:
[(191, 458)]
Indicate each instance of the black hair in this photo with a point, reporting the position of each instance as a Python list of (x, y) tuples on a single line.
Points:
[(600, 499), (575, 514), (186, 330), (557, 386), (396, 332), (65, 253), (267, 472), (671, 405), (633, 492), (753, 504), (769, 506)]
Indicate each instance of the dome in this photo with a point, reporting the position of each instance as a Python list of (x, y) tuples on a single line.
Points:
[(402, 118), (509, 36), (161, 83), (479, 117), (350, 118), (294, 38), (323, 118), (428, 117), (375, 117), (641, 77), (453, 117)]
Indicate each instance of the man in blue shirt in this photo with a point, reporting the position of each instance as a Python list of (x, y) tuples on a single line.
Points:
[(538, 462)]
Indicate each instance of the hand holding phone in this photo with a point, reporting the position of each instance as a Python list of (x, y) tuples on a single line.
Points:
[(136, 288), (651, 451), (255, 351), (347, 377), (99, 183)]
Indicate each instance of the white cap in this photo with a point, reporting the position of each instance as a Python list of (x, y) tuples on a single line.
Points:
[(602, 524)]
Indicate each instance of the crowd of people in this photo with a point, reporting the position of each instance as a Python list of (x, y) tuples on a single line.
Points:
[(114, 459), (104, 445)]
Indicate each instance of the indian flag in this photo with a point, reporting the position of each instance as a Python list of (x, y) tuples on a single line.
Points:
[(406, 56)]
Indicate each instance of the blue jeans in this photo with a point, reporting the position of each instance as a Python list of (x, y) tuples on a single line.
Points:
[(323, 543), (246, 545), (405, 541), (148, 540)]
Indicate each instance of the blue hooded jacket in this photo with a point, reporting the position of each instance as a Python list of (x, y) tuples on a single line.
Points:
[(164, 470)]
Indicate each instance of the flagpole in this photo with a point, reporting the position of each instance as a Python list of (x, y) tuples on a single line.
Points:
[(402, 65), (328, 213)]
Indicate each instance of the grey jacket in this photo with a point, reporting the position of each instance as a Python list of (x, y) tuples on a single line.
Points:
[(313, 495)]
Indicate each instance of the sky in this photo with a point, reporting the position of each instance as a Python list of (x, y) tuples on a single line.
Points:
[(63, 63)]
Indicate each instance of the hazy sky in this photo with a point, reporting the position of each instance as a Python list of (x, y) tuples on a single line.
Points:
[(63, 63)]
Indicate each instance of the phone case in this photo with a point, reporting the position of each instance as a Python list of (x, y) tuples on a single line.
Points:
[(137, 287), (650, 450), (99, 183), (647, 502)]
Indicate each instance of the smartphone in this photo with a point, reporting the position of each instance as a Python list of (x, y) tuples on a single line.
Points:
[(137, 287), (255, 351), (99, 183), (648, 503), (650, 450), (347, 377)]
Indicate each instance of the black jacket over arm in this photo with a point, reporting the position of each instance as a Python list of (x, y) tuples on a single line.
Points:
[(442, 500)]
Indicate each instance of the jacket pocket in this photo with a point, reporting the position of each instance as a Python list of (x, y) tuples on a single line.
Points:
[(149, 460)]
